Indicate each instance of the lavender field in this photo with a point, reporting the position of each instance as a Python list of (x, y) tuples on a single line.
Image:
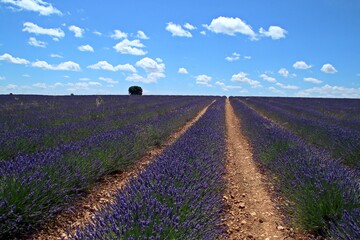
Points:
[(54, 148)]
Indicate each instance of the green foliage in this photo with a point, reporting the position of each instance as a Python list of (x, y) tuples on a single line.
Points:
[(135, 90)]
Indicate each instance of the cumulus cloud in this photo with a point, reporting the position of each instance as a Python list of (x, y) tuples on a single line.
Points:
[(42, 7), (36, 43), (108, 80), (275, 90), (235, 56), (247, 57), (203, 80), (313, 80), (118, 34), (331, 91), (154, 71), (241, 77), (328, 68), (130, 47), (183, 71), (141, 35), (290, 87), (40, 85), (104, 65), (86, 48), (65, 66), (97, 33), (177, 30), (77, 31), (82, 85), (188, 26), (203, 33), (275, 32), (226, 87), (33, 28), (53, 55), (230, 26), (11, 59), (268, 78), (283, 72), (301, 65)]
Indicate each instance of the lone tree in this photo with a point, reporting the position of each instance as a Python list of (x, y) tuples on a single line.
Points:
[(135, 90)]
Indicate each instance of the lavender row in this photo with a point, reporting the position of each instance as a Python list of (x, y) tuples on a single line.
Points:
[(178, 196), (342, 112), (341, 142), (322, 196), (34, 187), (78, 118)]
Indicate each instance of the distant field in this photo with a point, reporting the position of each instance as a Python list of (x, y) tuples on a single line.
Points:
[(54, 148)]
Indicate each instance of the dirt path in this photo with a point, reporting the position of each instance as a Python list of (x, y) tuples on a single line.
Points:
[(103, 192), (250, 214)]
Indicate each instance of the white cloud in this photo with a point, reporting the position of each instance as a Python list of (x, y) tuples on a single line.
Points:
[(11, 86), (15, 60), (33, 28), (231, 26), (65, 66), (55, 55), (82, 85), (283, 72), (40, 85), (274, 32), (26, 75), (290, 87), (104, 65), (226, 87), (275, 90), (313, 80), (241, 77), (247, 57), (331, 91), (97, 33), (84, 79), (328, 68), (188, 26), (203, 33), (183, 71), (77, 31), (108, 80), (130, 47), (36, 43), (235, 56), (2, 78), (141, 35), (268, 78), (42, 7), (177, 30), (118, 34), (301, 65), (86, 48), (203, 80), (154, 71)]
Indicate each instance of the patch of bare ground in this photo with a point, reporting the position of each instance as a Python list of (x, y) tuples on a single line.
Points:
[(250, 211), (103, 192)]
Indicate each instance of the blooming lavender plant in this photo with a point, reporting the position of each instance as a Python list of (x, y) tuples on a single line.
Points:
[(178, 196), (320, 191), (37, 185)]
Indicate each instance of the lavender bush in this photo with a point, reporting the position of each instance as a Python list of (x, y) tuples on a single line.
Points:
[(322, 194), (35, 186), (178, 196)]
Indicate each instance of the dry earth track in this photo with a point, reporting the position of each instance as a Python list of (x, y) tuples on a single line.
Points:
[(104, 191), (250, 213)]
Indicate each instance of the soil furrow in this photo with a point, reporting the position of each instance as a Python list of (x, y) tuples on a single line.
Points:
[(250, 212)]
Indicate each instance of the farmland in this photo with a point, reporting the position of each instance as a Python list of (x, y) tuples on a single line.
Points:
[(54, 149)]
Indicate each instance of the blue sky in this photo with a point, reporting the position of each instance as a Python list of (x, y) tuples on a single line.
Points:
[(234, 48)]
